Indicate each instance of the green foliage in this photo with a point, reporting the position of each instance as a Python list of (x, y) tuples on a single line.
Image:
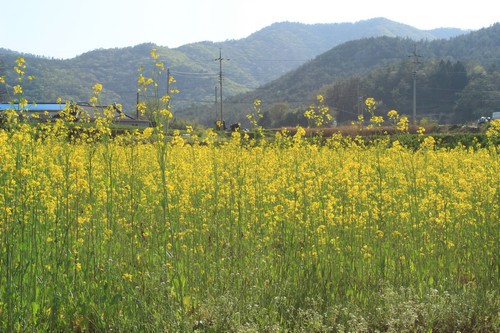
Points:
[(255, 60), (350, 63), (451, 87), (446, 141), (447, 92), (3, 90)]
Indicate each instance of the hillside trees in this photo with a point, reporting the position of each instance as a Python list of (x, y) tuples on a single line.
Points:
[(439, 84), (481, 96), (3, 91), (344, 98), (447, 91), (390, 86), (260, 65), (383, 66), (446, 80)]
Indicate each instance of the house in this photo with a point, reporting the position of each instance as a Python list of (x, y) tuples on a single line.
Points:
[(39, 111), (81, 111)]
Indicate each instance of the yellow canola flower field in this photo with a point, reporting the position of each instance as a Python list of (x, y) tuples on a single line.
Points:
[(96, 231)]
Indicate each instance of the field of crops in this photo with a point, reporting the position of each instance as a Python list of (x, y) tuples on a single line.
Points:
[(157, 230), (144, 232)]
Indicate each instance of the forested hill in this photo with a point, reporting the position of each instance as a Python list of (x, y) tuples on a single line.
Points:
[(458, 78), (261, 57)]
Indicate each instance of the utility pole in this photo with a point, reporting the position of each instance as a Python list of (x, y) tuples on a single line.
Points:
[(220, 59), (358, 101), (168, 88), (137, 107), (416, 62), (216, 104)]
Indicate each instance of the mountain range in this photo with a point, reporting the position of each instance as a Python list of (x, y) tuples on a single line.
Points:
[(284, 62), (250, 62), (473, 58)]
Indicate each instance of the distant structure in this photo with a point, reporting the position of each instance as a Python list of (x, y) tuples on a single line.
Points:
[(40, 112), (221, 77)]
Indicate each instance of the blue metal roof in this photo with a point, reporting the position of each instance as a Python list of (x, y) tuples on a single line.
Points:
[(34, 107)]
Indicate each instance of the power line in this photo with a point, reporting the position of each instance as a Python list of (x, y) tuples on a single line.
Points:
[(200, 74)]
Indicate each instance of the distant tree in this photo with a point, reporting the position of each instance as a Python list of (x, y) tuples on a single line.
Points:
[(481, 95), (458, 76), (344, 96), (275, 116), (3, 89)]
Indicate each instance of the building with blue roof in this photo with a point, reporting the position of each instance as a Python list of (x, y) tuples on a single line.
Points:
[(43, 110), (51, 111)]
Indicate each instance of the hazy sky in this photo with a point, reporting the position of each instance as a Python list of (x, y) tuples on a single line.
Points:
[(66, 28)]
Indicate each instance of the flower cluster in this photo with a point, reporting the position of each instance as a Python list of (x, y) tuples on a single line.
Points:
[(318, 115)]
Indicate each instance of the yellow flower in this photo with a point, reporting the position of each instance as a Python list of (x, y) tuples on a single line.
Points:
[(165, 98), (320, 229), (20, 61), (370, 104), (377, 120), (18, 89), (299, 134), (429, 142), (147, 132), (23, 102), (19, 72), (153, 54), (141, 80), (166, 113), (127, 277), (160, 66), (493, 131), (402, 124), (97, 88), (393, 114)]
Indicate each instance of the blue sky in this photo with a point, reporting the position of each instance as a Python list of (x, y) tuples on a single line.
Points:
[(67, 28)]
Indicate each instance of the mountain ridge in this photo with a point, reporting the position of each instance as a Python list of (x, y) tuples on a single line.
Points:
[(359, 63), (263, 56)]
